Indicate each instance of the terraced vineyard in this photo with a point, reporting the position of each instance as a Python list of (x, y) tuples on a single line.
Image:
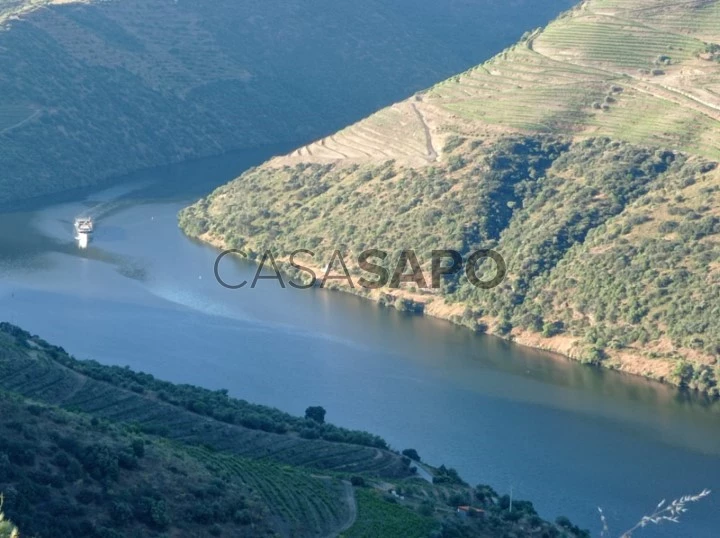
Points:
[(39, 376), (597, 70), (305, 503), (544, 153), (119, 85), (299, 503), (380, 518)]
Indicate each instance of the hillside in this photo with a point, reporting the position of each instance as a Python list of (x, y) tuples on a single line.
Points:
[(93, 89), (96, 451), (585, 155)]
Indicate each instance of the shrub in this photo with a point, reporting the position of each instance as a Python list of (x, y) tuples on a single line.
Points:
[(315, 413), (121, 513), (411, 453), (100, 462)]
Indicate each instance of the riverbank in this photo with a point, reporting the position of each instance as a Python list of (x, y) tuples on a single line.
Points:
[(430, 303)]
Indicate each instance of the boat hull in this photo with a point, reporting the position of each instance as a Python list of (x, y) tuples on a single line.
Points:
[(83, 239)]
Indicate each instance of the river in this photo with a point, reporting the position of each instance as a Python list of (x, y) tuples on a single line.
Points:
[(566, 436)]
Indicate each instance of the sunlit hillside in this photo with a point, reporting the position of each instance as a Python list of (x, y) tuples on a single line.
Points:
[(93, 89), (585, 154), (640, 71)]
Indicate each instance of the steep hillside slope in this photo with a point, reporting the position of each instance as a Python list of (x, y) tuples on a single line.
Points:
[(640, 71), (65, 475), (96, 451), (94, 89), (188, 414), (585, 155)]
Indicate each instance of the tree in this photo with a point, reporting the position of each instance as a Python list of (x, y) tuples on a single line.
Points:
[(316, 413), (411, 453), (100, 462), (683, 373)]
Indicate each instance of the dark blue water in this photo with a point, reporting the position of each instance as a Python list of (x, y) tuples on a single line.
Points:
[(568, 437)]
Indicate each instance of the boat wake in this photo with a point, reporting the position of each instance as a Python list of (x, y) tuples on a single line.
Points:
[(210, 307)]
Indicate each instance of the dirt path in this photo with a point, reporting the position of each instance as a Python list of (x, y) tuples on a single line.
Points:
[(659, 91), (423, 473), (676, 96), (431, 153)]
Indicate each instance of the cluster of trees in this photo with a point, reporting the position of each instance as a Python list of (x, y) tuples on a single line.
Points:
[(587, 185), (491, 514), (447, 475), (64, 475), (499, 510), (643, 279)]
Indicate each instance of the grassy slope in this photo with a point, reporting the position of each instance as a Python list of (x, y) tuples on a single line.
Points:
[(70, 464), (584, 154), (94, 89)]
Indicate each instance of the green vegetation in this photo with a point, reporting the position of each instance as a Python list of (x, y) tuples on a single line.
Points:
[(586, 155), (411, 453), (95, 451), (444, 475), (418, 509), (186, 413), (306, 503), (92, 90), (217, 404), (7, 529), (599, 70), (316, 414), (589, 253), (379, 516), (65, 475)]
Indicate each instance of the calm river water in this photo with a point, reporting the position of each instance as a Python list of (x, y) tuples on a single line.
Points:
[(568, 437)]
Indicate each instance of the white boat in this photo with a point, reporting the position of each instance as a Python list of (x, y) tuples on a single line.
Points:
[(84, 227)]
